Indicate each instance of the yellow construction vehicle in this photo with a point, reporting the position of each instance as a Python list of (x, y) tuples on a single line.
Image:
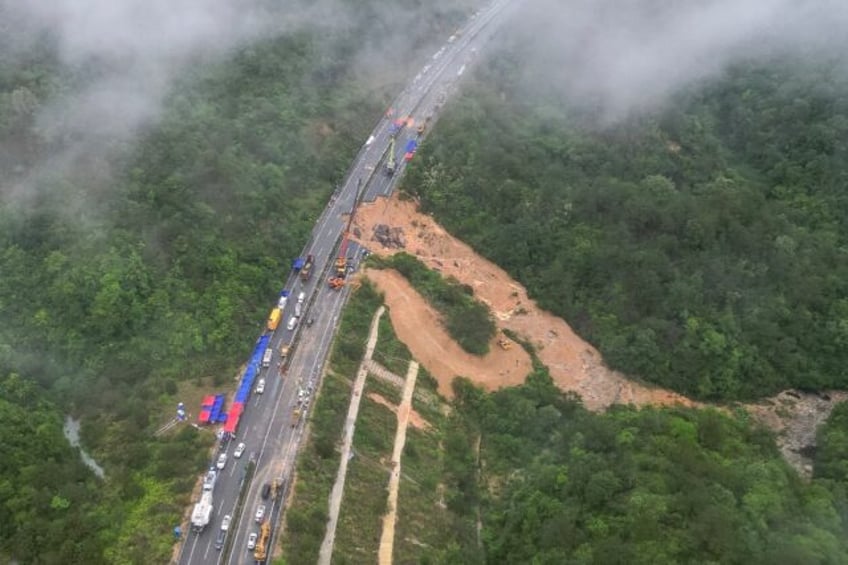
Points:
[(504, 343), (341, 265), (261, 551)]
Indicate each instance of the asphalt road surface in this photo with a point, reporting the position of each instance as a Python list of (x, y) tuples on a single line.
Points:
[(266, 426)]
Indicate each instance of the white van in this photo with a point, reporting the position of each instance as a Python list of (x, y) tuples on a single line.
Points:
[(301, 297), (292, 323), (266, 358)]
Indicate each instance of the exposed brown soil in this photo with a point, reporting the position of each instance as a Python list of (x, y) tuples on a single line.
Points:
[(418, 326), (574, 364)]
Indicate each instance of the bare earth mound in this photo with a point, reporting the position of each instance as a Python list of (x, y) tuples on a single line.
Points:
[(418, 326), (574, 364)]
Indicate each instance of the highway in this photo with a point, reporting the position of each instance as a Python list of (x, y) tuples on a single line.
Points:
[(266, 427)]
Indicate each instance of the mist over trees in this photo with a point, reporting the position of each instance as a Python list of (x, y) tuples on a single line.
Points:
[(700, 246), (556, 484), (153, 191), (139, 255)]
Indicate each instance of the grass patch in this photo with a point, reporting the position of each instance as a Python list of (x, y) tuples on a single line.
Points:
[(365, 495), (426, 381), (424, 524), (467, 320), (426, 399), (390, 351), (387, 390), (306, 517), (318, 463)]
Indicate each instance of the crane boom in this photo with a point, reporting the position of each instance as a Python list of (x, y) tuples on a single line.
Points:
[(337, 280)]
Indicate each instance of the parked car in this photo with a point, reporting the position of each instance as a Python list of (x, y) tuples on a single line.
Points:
[(239, 450), (219, 541), (260, 513), (251, 541), (222, 461)]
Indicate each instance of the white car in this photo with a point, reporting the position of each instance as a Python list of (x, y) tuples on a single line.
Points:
[(260, 386), (239, 450), (225, 523), (251, 541), (222, 461), (260, 513)]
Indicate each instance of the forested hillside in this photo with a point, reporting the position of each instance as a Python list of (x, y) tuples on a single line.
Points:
[(558, 484), (130, 273), (700, 245)]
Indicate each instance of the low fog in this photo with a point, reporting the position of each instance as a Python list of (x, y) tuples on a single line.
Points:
[(133, 49), (616, 56), (622, 57), (126, 55)]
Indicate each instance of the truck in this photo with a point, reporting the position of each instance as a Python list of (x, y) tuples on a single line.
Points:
[(297, 264), (274, 319), (202, 512), (306, 270), (284, 349), (295, 417), (261, 551), (411, 147), (266, 357), (209, 479), (391, 162), (284, 296)]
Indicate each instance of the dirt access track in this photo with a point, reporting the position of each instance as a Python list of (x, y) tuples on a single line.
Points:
[(574, 364)]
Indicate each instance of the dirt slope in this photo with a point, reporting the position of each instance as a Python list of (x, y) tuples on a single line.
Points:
[(574, 364), (434, 348)]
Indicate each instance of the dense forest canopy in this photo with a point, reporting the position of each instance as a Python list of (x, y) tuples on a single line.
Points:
[(700, 245), (138, 259), (558, 485)]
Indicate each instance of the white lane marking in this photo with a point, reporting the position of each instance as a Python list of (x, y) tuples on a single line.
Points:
[(254, 487), (193, 545)]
